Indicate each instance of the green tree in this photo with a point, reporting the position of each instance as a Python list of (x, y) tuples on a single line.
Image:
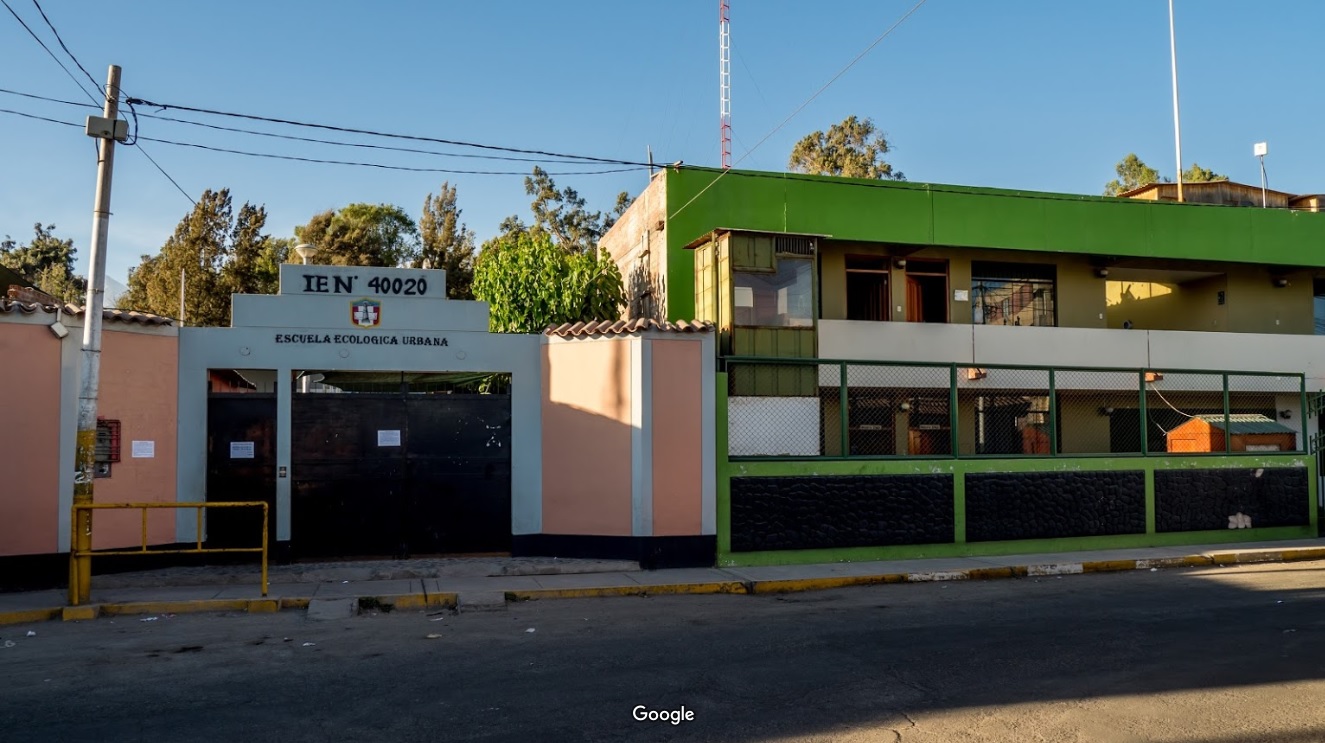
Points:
[(1132, 173), (530, 283), (446, 243), (218, 253), (363, 235), (853, 148), (48, 262), (563, 215), (1197, 174)]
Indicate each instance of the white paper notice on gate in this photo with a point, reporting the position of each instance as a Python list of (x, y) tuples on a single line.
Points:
[(388, 438), (144, 449), (241, 449)]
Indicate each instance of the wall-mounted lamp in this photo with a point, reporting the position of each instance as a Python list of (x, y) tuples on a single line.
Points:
[(58, 329), (1106, 411), (904, 407), (1154, 376), (1285, 414), (1281, 281), (974, 373), (1102, 273), (900, 263)]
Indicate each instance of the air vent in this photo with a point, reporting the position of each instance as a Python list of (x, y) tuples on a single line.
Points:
[(793, 245)]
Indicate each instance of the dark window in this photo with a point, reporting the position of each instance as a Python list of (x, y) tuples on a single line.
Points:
[(1013, 294), (1318, 305), (867, 288), (783, 298)]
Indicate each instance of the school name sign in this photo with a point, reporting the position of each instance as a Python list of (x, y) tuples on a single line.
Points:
[(356, 339)]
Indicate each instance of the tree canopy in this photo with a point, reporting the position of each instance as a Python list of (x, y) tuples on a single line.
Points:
[(853, 148), (563, 216), (1134, 173), (218, 253), (362, 235), (530, 283), (48, 262), (446, 243)]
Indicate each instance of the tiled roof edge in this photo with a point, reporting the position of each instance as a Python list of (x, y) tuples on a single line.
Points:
[(627, 327)]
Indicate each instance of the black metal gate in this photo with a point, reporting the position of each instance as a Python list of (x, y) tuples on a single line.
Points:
[(241, 465), (400, 474)]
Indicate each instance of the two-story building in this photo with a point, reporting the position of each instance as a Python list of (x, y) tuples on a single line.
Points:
[(923, 370)]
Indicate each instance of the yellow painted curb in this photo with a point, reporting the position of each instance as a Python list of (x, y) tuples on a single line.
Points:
[(83, 613), (414, 601), (23, 616), (264, 606), (796, 585), (1108, 566), (1304, 553), (174, 607), (292, 602), (666, 589), (1011, 571)]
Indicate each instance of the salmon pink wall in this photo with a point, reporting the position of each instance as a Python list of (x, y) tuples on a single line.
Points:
[(29, 439), (678, 372), (140, 381), (587, 437)]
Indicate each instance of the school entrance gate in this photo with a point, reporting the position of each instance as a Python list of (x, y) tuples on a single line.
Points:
[(410, 462)]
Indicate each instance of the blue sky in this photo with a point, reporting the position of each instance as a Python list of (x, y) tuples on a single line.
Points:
[(1032, 94)]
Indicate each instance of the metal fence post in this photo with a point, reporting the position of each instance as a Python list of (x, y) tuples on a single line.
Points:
[(1053, 415), (842, 403), (952, 411), (1228, 426), (1145, 415)]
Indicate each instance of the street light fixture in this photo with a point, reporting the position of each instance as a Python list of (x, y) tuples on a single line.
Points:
[(305, 251)]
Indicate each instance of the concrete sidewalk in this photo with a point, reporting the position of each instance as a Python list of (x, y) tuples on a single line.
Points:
[(449, 591)]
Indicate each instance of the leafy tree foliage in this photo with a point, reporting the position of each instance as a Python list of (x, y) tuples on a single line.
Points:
[(219, 253), (853, 148), (447, 243), (529, 283), (363, 235), (562, 215), (48, 262), (1133, 173), (1197, 174)]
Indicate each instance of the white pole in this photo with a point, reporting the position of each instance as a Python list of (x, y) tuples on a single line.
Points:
[(1264, 200), (1177, 127)]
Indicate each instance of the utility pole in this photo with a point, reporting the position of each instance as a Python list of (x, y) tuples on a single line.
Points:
[(108, 129), (1177, 128)]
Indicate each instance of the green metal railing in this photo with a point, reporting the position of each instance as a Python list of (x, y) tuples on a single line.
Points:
[(890, 409)]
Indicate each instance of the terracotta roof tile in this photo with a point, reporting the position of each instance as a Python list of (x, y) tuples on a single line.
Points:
[(626, 327), (8, 306)]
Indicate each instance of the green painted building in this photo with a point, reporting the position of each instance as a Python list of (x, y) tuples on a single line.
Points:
[(921, 369)]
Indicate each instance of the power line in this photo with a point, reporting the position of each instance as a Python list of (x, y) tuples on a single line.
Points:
[(37, 38), (388, 135), (371, 165), (51, 100), (51, 26), (809, 100), (180, 188)]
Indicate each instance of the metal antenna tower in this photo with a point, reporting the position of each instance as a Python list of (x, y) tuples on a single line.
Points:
[(725, 80)]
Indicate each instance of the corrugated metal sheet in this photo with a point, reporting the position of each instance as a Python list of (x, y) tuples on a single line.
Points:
[(1243, 423)]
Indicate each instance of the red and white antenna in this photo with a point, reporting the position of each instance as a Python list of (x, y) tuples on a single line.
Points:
[(725, 80)]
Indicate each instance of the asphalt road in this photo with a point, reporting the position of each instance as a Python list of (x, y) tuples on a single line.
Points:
[(1231, 655)]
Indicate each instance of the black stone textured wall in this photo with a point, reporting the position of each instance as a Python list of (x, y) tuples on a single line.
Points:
[(795, 513), (1203, 499), (1047, 505)]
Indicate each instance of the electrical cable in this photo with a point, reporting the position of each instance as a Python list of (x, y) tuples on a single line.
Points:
[(37, 38), (373, 165), (807, 102), (51, 26), (51, 100), (388, 135)]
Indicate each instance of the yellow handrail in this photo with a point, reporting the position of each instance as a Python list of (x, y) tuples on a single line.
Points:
[(81, 552)]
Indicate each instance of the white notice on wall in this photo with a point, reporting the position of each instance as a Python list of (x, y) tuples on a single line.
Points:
[(388, 438), (961, 295), (241, 449), (144, 449)]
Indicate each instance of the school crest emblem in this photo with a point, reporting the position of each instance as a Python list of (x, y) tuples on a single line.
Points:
[(366, 313)]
